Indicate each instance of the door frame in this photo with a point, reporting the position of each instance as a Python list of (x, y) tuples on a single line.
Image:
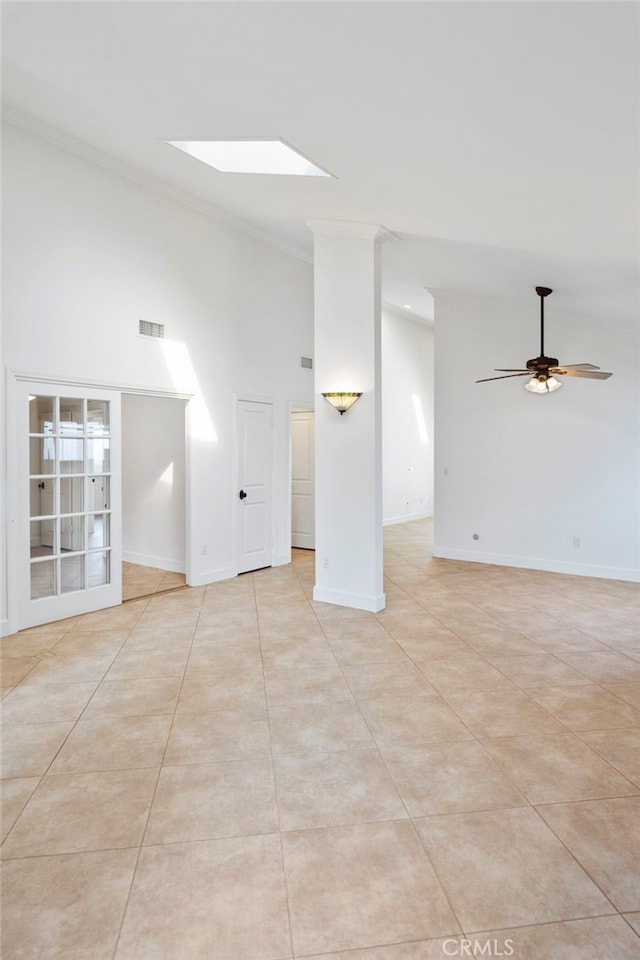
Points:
[(12, 439), (253, 398), (293, 406)]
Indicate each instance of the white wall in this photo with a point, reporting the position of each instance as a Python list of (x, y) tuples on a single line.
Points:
[(87, 253), (4, 623), (407, 417), (348, 459), (528, 473), (153, 482)]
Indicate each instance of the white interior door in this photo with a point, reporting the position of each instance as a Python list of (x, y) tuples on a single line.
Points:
[(68, 483), (303, 498), (254, 503)]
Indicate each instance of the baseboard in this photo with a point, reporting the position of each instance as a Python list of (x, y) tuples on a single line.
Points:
[(535, 563), (358, 601), (213, 576), (406, 518), (160, 563)]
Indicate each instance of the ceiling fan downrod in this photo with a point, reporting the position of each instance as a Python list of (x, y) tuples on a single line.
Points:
[(542, 362)]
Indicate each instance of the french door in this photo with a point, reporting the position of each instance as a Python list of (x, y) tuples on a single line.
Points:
[(68, 497)]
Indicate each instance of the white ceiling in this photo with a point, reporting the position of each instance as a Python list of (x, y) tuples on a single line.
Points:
[(498, 141)]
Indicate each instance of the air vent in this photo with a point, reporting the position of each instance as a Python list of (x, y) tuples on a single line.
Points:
[(148, 329), (306, 362)]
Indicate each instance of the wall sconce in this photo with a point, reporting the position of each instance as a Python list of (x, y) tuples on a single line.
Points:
[(341, 401)]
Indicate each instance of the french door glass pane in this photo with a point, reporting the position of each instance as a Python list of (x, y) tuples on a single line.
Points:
[(98, 568), (42, 455), (72, 533), (99, 530), (71, 573), (43, 537), (43, 579), (42, 497), (41, 414), (71, 494), (71, 417), (97, 417), (99, 498), (71, 455), (98, 456)]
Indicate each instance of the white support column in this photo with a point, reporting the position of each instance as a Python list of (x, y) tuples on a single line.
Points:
[(348, 446)]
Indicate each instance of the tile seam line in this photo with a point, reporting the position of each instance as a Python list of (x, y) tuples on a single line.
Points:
[(143, 834), (273, 777)]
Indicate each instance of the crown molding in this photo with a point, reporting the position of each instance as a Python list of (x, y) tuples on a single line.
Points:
[(83, 150), (345, 228)]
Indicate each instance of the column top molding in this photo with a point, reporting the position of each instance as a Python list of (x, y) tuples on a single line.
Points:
[(344, 228)]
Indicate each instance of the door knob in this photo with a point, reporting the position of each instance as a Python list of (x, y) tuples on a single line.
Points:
[(242, 495)]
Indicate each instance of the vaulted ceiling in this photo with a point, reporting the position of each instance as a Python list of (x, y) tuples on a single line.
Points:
[(498, 141)]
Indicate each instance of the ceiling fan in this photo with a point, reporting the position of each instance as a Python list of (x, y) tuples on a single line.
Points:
[(544, 370)]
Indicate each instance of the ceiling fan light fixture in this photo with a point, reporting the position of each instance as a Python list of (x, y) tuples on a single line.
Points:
[(542, 384), (541, 368)]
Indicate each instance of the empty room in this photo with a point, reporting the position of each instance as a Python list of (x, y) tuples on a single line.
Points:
[(320, 479)]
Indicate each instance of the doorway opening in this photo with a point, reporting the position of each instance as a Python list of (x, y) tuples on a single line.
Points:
[(303, 500), (153, 495)]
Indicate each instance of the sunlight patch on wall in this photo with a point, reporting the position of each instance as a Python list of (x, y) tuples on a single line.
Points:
[(167, 477), (185, 380), (162, 488), (420, 420)]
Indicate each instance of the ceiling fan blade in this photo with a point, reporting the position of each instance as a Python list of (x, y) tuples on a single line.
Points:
[(576, 366), (511, 370), (525, 373), (589, 374)]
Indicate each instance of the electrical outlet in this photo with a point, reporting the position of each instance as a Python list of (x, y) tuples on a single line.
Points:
[(577, 542), (203, 549), (325, 563)]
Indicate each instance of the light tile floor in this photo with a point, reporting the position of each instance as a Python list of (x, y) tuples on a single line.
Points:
[(238, 773), (141, 581)]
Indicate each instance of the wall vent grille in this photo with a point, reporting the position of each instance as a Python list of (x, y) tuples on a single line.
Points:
[(148, 329), (306, 362)]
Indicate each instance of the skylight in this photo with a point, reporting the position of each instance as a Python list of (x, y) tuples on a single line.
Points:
[(250, 156)]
